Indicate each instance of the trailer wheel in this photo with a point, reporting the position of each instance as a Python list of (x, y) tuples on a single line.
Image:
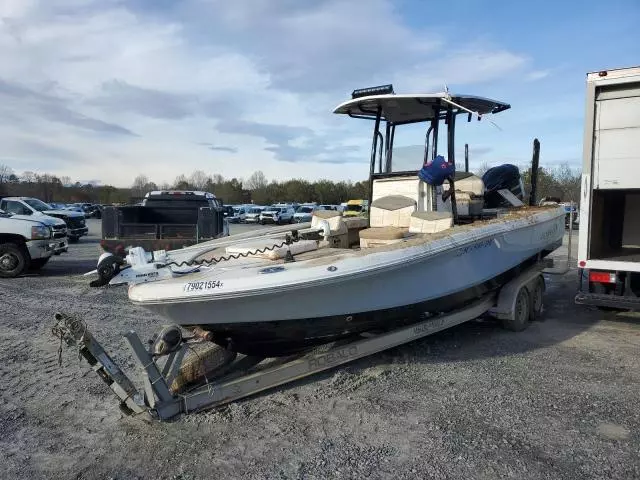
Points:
[(537, 299), (521, 314)]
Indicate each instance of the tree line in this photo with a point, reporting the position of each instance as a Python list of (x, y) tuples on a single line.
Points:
[(562, 182)]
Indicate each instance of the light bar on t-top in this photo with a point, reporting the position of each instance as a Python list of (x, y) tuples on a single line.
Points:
[(365, 92)]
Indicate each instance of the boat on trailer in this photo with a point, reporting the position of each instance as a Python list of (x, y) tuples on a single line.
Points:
[(425, 249)]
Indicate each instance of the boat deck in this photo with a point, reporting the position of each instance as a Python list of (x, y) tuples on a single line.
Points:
[(323, 255)]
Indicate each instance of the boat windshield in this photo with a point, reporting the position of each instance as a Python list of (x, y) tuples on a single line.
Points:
[(38, 205), (304, 210)]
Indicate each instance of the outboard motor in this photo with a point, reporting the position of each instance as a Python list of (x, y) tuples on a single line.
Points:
[(505, 176)]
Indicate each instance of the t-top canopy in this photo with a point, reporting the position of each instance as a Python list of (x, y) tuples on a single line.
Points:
[(417, 107)]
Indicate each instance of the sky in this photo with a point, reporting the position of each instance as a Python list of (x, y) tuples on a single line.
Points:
[(105, 90)]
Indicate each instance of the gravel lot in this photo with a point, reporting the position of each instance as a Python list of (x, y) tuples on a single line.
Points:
[(559, 400)]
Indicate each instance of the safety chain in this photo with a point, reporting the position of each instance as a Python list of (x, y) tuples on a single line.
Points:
[(289, 240)]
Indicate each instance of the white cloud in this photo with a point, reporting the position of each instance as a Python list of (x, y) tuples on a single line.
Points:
[(226, 87), (461, 67), (537, 75)]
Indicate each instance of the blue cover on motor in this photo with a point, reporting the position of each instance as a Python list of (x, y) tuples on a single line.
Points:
[(437, 171)]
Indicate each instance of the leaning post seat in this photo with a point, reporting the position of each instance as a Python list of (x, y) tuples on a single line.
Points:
[(338, 229), (333, 217), (389, 218), (469, 195)]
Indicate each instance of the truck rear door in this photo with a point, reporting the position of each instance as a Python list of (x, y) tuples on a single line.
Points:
[(617, 137)]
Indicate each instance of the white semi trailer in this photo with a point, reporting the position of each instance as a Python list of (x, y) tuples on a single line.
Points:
[(609, 238)]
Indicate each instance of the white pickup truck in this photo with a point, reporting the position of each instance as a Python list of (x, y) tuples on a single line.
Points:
[(75, 221), (24, 243)]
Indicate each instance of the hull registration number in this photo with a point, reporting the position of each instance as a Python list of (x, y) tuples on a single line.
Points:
[(201, 286)]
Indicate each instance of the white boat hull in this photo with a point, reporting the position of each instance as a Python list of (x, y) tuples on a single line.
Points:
[(340, 290)]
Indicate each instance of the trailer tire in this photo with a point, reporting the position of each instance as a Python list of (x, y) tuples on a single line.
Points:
[(521, 314), (537, 300), (14, 260)]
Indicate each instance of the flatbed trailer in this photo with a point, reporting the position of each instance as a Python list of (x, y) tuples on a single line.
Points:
[(515, 305)]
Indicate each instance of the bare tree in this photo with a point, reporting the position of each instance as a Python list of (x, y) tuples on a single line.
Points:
[(29, 177), (217, 179), (199, 180), (181, 183), (256, 181), (568, 181), (66, 180), (138, 189), (482, 169), (140, 181), (5, 173)]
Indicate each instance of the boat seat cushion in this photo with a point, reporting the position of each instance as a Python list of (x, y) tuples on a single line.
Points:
[(392, 211), (377, 236), (384, 233), (355, 223), (393, 202), (430, 222)]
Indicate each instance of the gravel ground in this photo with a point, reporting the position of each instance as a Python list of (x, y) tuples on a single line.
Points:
[(559, 400)]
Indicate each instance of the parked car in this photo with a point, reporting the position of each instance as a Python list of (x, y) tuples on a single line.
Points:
[(25, 242), (74, 208), (239, 214), (328, 207), (253, 214), (568, 208), (76, 225), (279, 215), (304, 213), (355, 208), (227, 211), (96, 211), (89, 209)]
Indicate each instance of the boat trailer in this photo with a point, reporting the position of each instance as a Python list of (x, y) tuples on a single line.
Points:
[(515, 304)]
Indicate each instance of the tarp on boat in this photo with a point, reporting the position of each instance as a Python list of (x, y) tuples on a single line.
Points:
[(505, 176)]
